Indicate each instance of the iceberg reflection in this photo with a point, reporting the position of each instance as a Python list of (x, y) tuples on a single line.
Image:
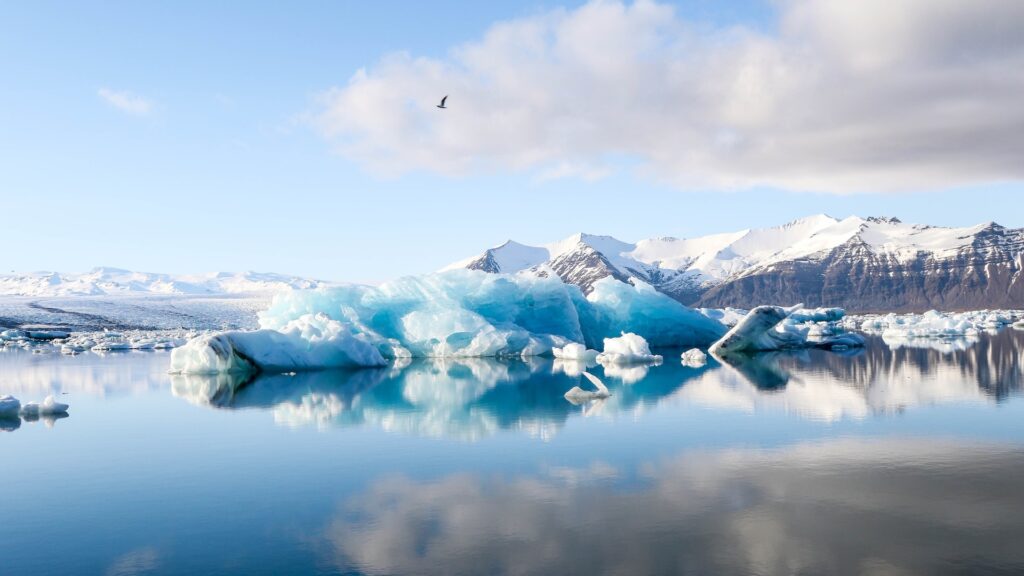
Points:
[(468, 398), (471, 398)]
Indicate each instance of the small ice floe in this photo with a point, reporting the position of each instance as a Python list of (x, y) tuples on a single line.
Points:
[(10, 407), (577, 395), (575, 351), (627, 349), (111, 346), (694, 358), (49, 407)]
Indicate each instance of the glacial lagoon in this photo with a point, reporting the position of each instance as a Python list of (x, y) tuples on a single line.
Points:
[(901, 459)]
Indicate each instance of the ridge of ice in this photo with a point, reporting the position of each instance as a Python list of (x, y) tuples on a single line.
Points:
[(459, 313)]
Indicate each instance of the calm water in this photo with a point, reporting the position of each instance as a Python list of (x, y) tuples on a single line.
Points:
[(906, 461)]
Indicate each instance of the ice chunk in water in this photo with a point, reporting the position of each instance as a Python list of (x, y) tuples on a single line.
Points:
[(49, 407), (627, 349), (577, 395), (575, 351), (694, 357), (10, 407)]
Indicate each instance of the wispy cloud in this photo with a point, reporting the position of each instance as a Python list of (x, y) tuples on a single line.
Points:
[(126, 101), (846, 96)]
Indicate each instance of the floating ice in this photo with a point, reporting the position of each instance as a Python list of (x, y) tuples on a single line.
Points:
[(575, 351), (49, 407), (577, 395), (10, 407), (459, 313), (627, 349), (776, 328), (694, 358), (111, 346), (899, 328)]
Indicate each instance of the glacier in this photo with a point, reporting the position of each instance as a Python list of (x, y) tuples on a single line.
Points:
[(452, 314)]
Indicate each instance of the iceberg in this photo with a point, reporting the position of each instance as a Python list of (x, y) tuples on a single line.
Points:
[(10, 407), (453, 314), (627, 349), (776, 328), (49, 407)]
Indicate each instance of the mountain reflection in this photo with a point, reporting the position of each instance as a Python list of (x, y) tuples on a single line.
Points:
[(837, 507), (474, 398)]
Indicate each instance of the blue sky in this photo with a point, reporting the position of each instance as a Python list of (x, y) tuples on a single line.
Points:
[(191, 136)]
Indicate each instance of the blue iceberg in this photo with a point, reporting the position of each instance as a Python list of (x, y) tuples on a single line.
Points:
[(453, 314)]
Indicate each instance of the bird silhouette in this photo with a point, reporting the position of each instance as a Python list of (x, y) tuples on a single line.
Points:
[(441, 105)]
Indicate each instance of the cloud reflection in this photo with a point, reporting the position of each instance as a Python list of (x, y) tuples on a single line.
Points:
[(839, 507)]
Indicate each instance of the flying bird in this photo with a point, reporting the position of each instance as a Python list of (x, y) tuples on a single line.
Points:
[(441, 105)]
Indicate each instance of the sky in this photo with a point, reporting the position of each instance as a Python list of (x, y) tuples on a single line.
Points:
[(303, 138)]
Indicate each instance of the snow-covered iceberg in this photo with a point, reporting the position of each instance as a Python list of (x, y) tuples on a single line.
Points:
[(459, 313), (777, 328)]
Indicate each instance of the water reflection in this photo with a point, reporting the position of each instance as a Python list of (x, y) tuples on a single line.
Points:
[(463, 398), (838, 507), (12, 423), (474, 398)]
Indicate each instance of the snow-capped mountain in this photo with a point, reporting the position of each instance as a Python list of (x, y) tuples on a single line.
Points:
[(864, 264), (114, 281)]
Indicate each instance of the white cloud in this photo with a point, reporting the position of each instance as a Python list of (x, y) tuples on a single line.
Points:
[(126, 101), (846, 96)]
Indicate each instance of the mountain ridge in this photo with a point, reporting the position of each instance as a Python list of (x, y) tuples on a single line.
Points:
[(869, 264), (107, 281)]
